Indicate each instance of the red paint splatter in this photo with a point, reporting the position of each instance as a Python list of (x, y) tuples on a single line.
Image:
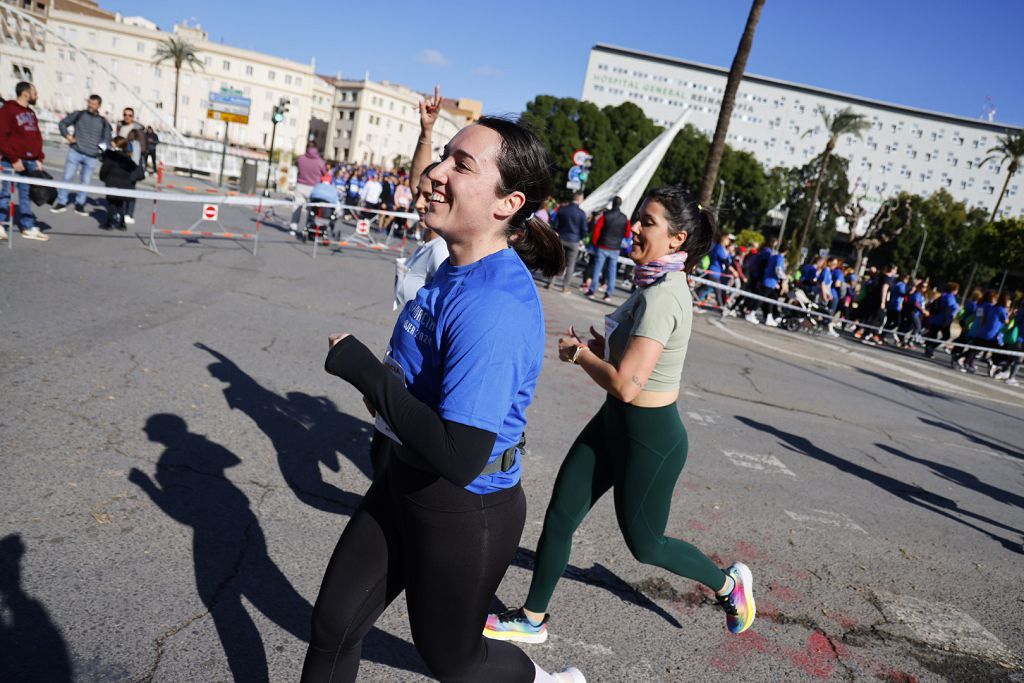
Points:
[(694, 525), (784, 593), (801, 574), (691, 486), (747, 551), (714, 515), (843, 620), (818, 656), (767, 610), (734, 649)]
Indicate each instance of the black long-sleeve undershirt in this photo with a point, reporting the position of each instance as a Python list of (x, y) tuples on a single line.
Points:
[(456, 451)]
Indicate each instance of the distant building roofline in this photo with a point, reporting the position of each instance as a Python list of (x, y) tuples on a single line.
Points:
[(992, 126)]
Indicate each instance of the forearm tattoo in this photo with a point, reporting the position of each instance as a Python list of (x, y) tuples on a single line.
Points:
[(636, 380)]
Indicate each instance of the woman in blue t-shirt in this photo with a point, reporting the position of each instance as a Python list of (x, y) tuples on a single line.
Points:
[(444, 514), (991, 318)]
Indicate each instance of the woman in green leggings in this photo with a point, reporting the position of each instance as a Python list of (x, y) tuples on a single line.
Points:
[(636, 444)]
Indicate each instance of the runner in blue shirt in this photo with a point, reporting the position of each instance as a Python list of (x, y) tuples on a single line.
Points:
[(942, 318), (988, 323), (443, 517)]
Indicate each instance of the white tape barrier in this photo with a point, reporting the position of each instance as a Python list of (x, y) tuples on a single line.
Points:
[(230, 200), (843, 321), (396, 214)]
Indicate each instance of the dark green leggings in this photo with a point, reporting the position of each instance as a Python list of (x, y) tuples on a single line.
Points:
[(639, 452)]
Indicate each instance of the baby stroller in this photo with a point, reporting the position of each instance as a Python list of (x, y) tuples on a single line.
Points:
[(805, 318), (320, 219)]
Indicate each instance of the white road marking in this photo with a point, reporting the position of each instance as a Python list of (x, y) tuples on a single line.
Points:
[(944, 626), (764, 463), (772, 348), (704, 417), (575, 645), (825, 518)]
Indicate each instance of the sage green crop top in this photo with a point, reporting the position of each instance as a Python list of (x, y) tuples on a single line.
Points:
[(662, 311)]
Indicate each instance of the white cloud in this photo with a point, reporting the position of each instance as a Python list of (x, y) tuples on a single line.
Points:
[(486, 71), (432, 57)]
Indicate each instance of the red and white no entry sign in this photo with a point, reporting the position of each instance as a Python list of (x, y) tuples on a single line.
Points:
[(580, 156), (209, 212)]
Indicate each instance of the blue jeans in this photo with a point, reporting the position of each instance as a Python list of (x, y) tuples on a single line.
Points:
[(26, 219), (601, 258), (75, 161)]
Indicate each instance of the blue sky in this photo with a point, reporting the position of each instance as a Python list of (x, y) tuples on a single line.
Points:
[(943, 55)]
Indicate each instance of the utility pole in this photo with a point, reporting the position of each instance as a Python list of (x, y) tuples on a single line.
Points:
[(223, 153), (920, 250)]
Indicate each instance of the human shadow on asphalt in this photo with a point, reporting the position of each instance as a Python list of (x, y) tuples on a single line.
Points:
[(230, 551), (974, 438), (305, 431), (31, 645), (598, 576), (910, 493), (958, 476), (914, 388)]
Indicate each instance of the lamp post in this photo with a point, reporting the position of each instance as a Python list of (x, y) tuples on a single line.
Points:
[(277, 117), (920, 250)]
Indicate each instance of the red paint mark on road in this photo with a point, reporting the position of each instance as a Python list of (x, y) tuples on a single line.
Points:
[(735, 649), (843, 620), (694, 525), (784, 593), (747, 551), (691, 486), (900, 677), (817, 658)]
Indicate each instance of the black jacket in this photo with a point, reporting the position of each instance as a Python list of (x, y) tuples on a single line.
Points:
[(118, 170)]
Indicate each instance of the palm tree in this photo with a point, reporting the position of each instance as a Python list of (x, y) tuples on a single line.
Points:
[(1010, 148), (180, 52), (739, 63), (844, 122)]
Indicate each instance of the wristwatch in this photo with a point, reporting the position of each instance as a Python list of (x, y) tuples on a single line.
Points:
[(576, 354)]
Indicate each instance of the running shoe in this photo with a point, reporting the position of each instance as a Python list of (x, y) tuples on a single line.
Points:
[(34, 233), (58, 208), (739, 603), (3, 234), (514, 625), (81, 210)]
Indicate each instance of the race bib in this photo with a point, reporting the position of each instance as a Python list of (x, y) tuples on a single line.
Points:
[(379, 423)]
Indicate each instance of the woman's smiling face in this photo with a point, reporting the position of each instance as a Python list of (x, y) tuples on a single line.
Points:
[(651, 236), (464, 185)]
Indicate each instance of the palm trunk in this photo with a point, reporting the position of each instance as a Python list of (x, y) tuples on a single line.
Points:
[(812, 209), (739, 63), (177, 80), (1009, 174)]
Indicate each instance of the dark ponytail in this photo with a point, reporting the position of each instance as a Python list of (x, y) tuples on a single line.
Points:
[(524, 166), (685, 214)]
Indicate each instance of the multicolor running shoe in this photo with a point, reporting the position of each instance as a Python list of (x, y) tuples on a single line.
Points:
[(515, 625), (739, 603)]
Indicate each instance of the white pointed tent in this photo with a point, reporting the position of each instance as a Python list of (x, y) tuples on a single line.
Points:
[(631, 180)]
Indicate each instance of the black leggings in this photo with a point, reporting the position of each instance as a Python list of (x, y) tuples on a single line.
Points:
[(448, 549)]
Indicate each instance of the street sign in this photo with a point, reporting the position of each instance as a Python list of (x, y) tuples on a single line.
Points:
[(363, 227), (580, 157), (574, 173), (573, 185), (209, 212), (229, 107)]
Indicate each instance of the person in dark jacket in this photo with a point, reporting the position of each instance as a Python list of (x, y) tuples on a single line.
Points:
[(152, 140), (118, 170), (609, 231), (571, 226), (90, 137)]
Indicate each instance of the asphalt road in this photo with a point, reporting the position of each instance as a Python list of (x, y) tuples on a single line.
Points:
[(176, 468)]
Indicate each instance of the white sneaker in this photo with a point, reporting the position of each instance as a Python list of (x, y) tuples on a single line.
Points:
[(1001, 376), (1012, 382), (570, 675), (771, 322), (832, 332), (35, 234), (751, 317), (129, 220), (3, 234)]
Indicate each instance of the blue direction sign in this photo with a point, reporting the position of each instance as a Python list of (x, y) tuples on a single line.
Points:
[(230, 99)]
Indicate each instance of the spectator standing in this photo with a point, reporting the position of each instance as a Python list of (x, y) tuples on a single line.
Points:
[(135, 135), (372, 192), (611, 227), (571, 226), (311, 167), (119, 170), (21, 150), (152, 140), (90, 137)]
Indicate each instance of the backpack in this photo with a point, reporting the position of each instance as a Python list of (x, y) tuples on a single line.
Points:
[(40, 194)]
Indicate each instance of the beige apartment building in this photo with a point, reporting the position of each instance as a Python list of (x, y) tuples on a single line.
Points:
[(378, 123)]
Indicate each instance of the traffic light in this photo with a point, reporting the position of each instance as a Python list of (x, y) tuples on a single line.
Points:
[(280, 110)]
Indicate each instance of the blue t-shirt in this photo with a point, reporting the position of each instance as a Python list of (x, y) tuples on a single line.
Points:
[(837, 279), (825, 277), (916, 303), (808, 274), (896, 294), (761, 261), (993, 319), (776, 262), (471, 346), (720, 259)]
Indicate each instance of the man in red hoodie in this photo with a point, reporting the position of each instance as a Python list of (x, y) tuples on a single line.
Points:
[(21, 149)]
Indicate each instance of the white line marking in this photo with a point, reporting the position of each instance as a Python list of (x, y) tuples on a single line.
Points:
[(944, 626), (825, 518), (592, 648), (774, 349), (701, 416), (764, 463)]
